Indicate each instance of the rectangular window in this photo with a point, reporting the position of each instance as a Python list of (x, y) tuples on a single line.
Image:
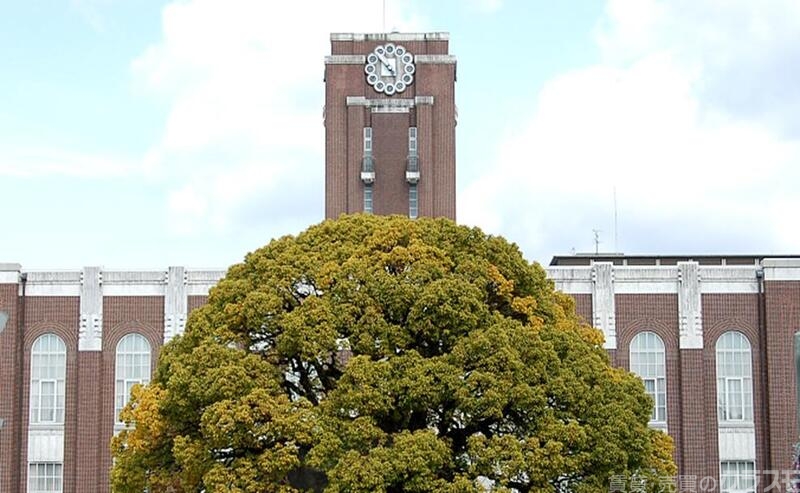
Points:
[(123, 390), (737, 477), (47, 401), (368, 199), (367, 141), (45, 477), (734, 401), (656, 389), (413, 204), (412, 141)]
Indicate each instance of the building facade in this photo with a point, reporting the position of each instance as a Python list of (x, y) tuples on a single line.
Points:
[(72, 345), (712, 339), (710, 336), (390, 119)]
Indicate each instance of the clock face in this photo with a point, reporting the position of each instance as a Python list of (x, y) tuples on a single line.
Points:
[(390, 69)]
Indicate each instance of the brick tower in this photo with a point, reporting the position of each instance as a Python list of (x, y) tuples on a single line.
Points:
[(390, 120)]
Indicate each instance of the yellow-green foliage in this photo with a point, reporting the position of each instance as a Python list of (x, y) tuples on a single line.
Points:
[(375, 354)]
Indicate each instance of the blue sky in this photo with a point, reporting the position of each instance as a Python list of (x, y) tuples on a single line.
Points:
[(145, 134)]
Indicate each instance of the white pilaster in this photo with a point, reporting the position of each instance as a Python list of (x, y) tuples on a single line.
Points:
[(175, 303), (603, 306), (90, 332), (690, 315)]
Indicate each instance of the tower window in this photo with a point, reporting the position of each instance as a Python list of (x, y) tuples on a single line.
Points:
[(413, 204), (367, 141), (368, 199)]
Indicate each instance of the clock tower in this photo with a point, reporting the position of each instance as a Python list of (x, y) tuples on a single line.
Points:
[(390, 120)]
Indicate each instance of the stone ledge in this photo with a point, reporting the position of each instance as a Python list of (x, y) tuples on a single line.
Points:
[(432, 36)]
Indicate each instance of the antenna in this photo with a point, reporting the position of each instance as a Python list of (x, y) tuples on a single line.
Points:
[(596, 241), (616, 245), (384, 15)]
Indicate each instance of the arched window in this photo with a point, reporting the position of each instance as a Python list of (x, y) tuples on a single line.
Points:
[(132, 367), (734, 378), (648, 362), (48, 370)]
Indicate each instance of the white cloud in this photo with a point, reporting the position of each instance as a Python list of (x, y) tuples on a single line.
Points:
[(649, 120), (244, 81)]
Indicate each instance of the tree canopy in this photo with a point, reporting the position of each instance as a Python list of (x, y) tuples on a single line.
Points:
[(381, 354)]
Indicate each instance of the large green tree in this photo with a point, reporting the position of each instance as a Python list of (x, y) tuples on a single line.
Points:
[(380, 354)]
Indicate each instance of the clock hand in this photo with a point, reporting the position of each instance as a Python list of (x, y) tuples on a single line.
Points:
[(386, 63)]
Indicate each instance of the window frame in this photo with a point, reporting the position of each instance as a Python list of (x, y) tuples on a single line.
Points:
[(729, 371), (743, 470), (142, 373), (48, 357), (413, 201), (643, 358), (56, 477)]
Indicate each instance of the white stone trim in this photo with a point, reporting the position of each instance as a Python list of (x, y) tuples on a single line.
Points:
[(737, 443), (432, 36), (90, 331), (200, 282), (52, 283), (175, 303), (728, 279), (646, 280), (571, 280), (9, 277), (9, 273), (390, 109), (423, 100), (345, 60), (442, 59), (369, 103), (603, 303), (133, 283), (781, 269), (46, 444), (690, 313)]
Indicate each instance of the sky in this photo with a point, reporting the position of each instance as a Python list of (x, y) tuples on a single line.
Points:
[(146, 134)]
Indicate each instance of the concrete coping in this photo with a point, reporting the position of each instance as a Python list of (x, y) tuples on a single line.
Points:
[(10, 267), (432, 36), (781, 262)]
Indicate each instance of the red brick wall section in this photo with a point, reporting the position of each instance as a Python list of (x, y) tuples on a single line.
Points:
[(89, 441), (583, 306), (783, 320), (656, 313), (194, 302), (8, 396), (390, 148)]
